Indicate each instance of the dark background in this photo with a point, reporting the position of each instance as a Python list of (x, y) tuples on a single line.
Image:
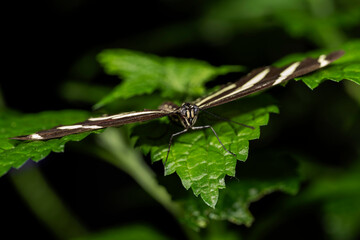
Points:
[(46, 43)]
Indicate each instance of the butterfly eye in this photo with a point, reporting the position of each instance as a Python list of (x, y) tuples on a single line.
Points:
[(196, 110)]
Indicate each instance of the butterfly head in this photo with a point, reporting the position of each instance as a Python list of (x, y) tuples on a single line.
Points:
[(188, 114)]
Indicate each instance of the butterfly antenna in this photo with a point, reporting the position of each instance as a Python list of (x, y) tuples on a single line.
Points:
[(226, 119)]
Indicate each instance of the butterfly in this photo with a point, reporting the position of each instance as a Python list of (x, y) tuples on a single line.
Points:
[(257, 80)]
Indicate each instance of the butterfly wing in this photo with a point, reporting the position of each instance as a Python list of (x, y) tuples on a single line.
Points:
[(96, 123), (265, 77), (256, 80)]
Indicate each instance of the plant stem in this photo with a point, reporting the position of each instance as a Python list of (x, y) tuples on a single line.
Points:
[(119, 154), (45, 203), (132, 163)]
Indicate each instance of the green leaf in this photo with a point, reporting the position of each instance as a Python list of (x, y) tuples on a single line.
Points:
[(15, 153), (199, 159), (132, 232), (197, 156), (347, 67), (256, 178), (144, 73)]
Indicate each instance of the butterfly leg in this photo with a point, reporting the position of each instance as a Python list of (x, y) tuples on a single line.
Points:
[(171, 138), (208, 126)]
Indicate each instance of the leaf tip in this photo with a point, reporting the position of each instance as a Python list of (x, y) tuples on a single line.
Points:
[(211, 199)]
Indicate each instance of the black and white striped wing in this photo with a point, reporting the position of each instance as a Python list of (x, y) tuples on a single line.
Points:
[(265, 77), (96, 123)]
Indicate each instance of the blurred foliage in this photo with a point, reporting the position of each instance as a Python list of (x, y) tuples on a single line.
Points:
[(254, 181), (321, 21), (339, 194), (325, 23), (132, 232), (332, 191), (353, 91), (33, 187)]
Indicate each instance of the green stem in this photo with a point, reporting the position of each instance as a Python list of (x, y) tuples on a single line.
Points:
[(45, 204), (119, 154), (132, 163)]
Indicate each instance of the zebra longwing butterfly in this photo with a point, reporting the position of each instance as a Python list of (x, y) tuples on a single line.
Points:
[(258, 79)]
